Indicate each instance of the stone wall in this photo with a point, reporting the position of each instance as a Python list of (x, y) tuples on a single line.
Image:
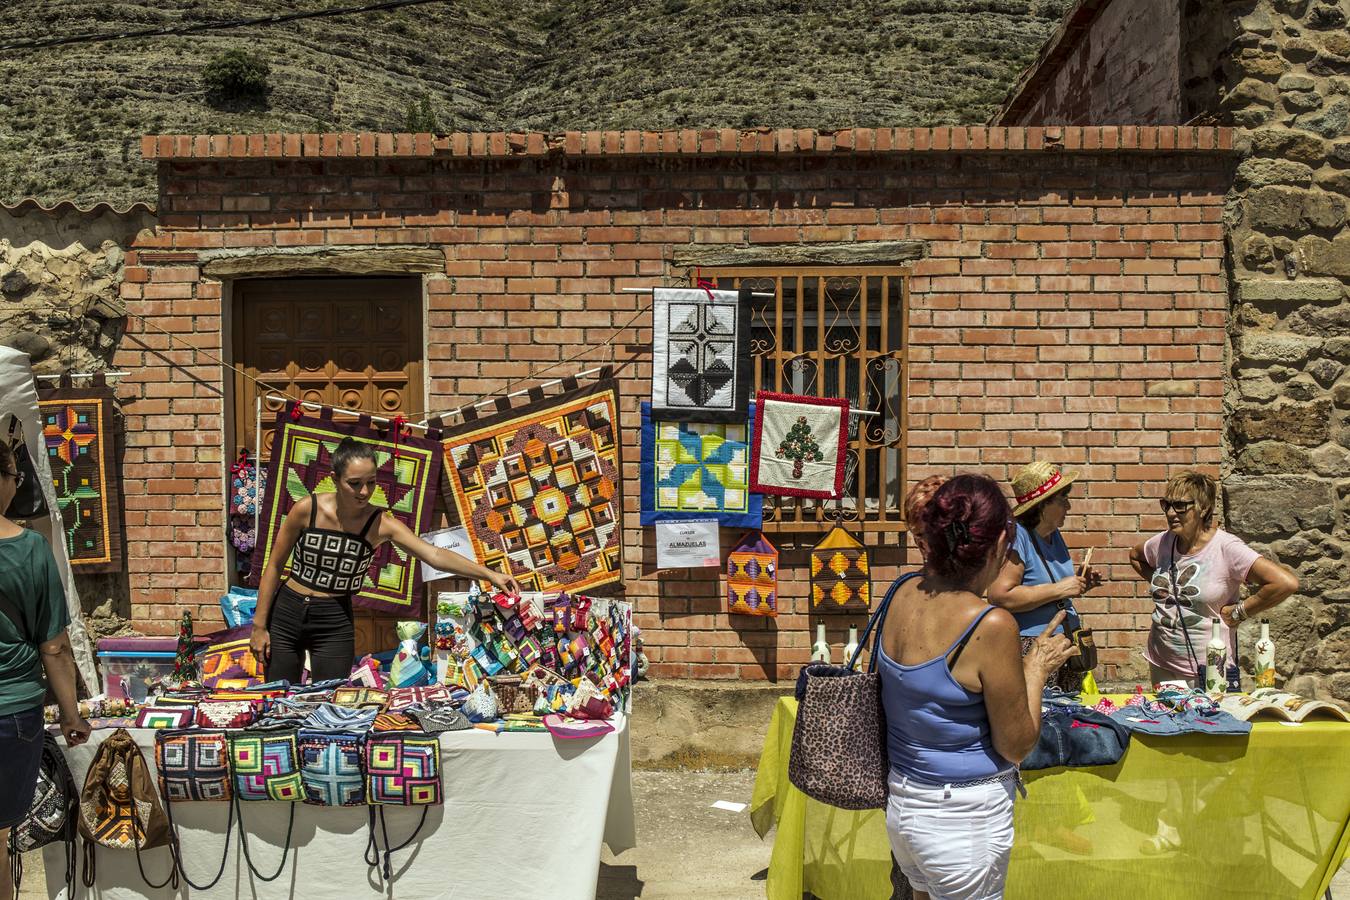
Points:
[(1287, 463)]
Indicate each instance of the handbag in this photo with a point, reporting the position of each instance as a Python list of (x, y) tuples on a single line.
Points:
[(227, 713), (401, 770), (194, 766), (230, 664), (838, 753), (330, 768), (361, 698), (51, 817), (402, 698), (265, 765), (1080, 637), (29, 501), (119, 808), (164, 717)]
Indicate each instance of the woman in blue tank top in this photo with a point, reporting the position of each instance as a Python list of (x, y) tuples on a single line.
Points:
[(963, 705)]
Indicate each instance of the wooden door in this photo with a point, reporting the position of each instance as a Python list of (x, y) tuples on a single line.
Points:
[(348, 343)]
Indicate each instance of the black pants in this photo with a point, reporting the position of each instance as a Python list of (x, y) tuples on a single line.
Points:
[(321, 625)]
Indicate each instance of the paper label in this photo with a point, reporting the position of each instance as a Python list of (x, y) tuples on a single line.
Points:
[(691, 544), (454, 539)]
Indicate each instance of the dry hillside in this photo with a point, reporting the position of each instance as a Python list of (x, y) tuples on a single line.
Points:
[(70, 117)]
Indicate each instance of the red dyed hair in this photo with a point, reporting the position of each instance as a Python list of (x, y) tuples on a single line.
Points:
[(961, 524), (915, 503)]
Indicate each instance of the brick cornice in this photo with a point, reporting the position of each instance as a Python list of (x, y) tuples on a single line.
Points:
[(692, 142)]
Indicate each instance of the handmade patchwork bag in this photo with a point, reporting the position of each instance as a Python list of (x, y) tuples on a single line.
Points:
[(193, 765), (341, 718), (428, 695), (119, 807), (164, 717), (403, 769), (265, 764), (230, 664), (395, 722), (227, 713), (51, 816), (840, 575), (330, 768), (361, 698)]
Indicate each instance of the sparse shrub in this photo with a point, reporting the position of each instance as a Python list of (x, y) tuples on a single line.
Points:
[(237, 79), (420, 117)]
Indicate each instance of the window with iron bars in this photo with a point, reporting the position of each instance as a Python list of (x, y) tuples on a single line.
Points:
[(837, 332)]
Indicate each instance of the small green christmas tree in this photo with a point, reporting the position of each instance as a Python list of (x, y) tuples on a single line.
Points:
[(184, 661), (799, 446)]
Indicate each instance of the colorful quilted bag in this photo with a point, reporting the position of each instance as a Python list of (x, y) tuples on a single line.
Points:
[(341, 718), (840, 575), (265, 766), (428, 696), (361, 698), (194, 766), (227, 713), (119, 808), (164, 717), (752, 577), (330, 767), (403, 769), (51, 817), (395, 722), (230, 664)]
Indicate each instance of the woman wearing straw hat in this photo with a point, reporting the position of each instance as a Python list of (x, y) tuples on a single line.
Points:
[(1039, 576)]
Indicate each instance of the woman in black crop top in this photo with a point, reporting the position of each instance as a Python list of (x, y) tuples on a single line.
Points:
[(330, 540)]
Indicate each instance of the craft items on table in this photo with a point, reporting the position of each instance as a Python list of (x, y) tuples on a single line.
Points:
[(94, 708), (332, 717), (367, 673), (840, 573), (799, 446), (409, 666), (402, 699), (164, 717), (238, 605), (752, 576), (688, 544), (698, 470), (229, 663), (193, 765), (701, 366), (1278, 704), (265, 764), (1175, 712), (403, 769), (361, 698), (407, 471), (539, 487), (78, 432), (330, 767), (228, 713), (391, 721)]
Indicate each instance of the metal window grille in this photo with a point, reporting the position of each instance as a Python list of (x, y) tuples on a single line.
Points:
[(837, 332)]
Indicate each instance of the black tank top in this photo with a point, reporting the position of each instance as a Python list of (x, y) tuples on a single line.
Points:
[(332, 561)]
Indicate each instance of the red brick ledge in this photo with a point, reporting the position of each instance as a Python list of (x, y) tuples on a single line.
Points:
[(690, 142)]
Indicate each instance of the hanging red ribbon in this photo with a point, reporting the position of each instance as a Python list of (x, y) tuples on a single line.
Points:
[(700, 281), (241, 464)]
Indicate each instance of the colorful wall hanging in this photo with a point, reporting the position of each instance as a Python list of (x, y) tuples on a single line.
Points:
[(77, 430), (840, 575), (700, 354), (246, 489), (694, 470), (752, 577), (407, 472), (799, 445), (539, 487)]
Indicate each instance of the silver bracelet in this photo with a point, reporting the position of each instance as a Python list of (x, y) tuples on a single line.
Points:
[(1239, 612)]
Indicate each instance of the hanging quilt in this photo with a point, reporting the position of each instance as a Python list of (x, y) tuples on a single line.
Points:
[(799, 445), (539, 488), (407, 472), (698, 471), (840, 575), (77, 430), (701, 368), (752, 577)]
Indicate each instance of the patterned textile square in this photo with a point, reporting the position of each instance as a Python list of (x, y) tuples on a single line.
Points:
[(752, 577), (799, 445), (700, 355), (395, 721), (403, 769), (361, 698), (693, 470), (330, 767), (538, 488), (428, 695), (840, 575), (230, 664), (193, 765), (164, 717), (78, 432), (266, 765), (301, 464), (227, 713)]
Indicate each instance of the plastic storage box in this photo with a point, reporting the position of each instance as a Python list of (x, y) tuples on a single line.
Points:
[(132, 666)]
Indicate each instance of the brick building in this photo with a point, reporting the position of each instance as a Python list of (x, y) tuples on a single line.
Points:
[(1043, 291)]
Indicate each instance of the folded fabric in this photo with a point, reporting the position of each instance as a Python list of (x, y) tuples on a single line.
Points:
[(1077, 736), (393, 721), (402, 698), (361, 698), (324, 688), (442, 718), (341, 718), (1146, 718), (164, 717), (567, 728), (288, 711)]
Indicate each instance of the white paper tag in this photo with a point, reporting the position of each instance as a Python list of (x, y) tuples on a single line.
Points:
[(729, 806), (455, 539), (691, 544)]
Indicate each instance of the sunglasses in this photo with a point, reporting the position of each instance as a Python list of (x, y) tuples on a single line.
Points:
[(17, 476), (1179, 506)]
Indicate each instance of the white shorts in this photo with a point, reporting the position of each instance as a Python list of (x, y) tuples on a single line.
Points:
[(953, 843)]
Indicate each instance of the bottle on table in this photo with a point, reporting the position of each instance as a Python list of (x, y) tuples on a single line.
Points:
[(820, 650), (1216, 653), (1265, 658), (852, 646)]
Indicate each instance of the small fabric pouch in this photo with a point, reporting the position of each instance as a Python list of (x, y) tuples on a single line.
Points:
[(341, 718), (443, 718), (265, 764), (401, 699), (403, 769), (361, 698), (330, 767), (227, 713), (569, 729), (164, 717), (481, 705), (193, 765), (230, 664), (395, 721), (367, 673)]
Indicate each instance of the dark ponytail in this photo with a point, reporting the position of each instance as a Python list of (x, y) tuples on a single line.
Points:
[(348, 450)]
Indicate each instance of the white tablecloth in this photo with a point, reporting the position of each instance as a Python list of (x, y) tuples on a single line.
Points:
[(524, 816)]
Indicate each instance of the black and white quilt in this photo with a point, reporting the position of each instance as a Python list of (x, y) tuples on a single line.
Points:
[(700, 355)]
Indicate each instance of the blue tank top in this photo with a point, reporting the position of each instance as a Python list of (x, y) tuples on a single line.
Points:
[(937, 732)]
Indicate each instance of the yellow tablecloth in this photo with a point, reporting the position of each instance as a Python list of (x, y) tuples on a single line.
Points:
[(1263, 816)]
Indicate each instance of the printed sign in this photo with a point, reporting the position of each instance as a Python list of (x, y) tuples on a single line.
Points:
[(691, 544), (455, 539)]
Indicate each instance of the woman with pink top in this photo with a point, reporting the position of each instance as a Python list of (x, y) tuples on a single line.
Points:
[(1196, 570)]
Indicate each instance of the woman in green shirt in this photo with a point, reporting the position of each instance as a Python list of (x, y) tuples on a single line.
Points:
[(33, 638)]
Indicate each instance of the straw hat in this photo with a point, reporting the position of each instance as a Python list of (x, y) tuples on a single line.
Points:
[(1036, 482)]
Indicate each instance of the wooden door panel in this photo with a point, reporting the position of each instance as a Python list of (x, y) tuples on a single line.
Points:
[(349, 343)]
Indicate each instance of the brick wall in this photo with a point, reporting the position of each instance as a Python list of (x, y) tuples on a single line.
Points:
[(1109, 62), (1071, 305)]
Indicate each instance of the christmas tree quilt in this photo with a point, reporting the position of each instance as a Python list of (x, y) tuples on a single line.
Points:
[(799, 445)]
